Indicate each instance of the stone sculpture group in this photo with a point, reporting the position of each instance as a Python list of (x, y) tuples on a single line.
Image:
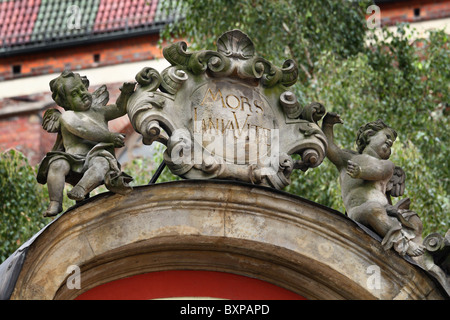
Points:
[(228, 114)]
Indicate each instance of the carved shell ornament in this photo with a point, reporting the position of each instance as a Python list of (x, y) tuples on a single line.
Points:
[(227, 114), (236, 44)]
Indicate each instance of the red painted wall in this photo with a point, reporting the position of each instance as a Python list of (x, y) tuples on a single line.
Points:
[(188, 283)]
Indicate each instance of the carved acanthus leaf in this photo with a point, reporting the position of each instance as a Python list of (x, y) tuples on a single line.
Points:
[(313, 112), (235, 56), (149, 79)]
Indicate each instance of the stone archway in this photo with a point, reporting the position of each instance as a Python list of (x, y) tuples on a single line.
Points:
[(229, 227)]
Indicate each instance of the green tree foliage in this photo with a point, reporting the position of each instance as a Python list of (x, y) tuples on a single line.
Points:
[(138, 168), (22, 202), (361, 74), (297, 29)]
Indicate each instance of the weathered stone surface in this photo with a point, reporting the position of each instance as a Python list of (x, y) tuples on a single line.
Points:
[(227, 114), (218, 226)]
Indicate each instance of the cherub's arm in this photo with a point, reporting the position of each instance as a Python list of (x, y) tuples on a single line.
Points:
[(336, 155), (88, 129), (369, 168), (118, 109)]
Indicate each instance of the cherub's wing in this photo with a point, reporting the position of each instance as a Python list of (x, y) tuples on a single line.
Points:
[(51, 120), (396, 185), (100, 97)]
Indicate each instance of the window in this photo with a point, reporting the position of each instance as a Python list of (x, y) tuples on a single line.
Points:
[(416, 12), (16, 69), (97, 57)]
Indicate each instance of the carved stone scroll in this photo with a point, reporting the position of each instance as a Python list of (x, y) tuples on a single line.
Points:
[(227, 114)]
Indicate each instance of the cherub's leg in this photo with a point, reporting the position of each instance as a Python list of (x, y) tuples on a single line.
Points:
[(397, 233), (374, 215), (379, 220), (417, 223), (56, 179), (92, 178)]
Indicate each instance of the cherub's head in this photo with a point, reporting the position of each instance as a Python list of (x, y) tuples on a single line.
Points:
[(69, 91), (367, 133)]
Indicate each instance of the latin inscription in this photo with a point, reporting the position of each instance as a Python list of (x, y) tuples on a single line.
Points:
[(232, 121)]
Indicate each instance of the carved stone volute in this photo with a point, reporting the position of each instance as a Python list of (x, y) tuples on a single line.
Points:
[(227, 114)]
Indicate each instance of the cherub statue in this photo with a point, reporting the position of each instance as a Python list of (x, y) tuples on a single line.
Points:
[(368, 179), (83, 154)]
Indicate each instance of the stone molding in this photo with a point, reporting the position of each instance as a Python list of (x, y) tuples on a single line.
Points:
[(215, 225)]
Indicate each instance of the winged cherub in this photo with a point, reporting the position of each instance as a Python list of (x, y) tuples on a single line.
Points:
[(368, 179), (83, 154)]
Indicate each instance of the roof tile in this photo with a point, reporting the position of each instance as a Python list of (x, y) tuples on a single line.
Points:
[(27, 22)]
